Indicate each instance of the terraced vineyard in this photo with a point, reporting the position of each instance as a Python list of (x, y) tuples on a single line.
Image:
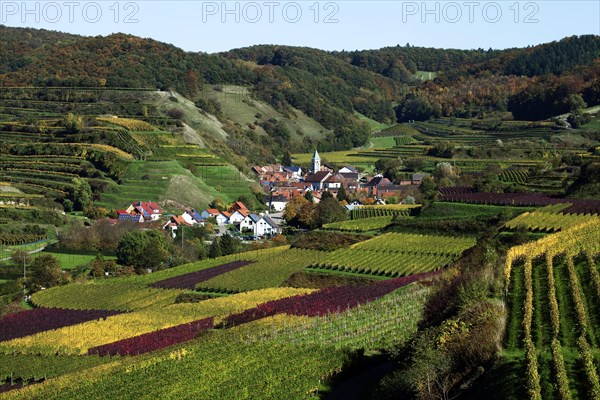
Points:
[(398, 131), (518, 175), (554, 293), (548, 219), (395, 254), (123, 158), (477, 132)]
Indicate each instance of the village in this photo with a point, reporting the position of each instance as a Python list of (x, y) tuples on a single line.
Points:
[(280, 183)]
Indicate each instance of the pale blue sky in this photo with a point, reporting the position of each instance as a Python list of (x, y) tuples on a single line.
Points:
[(211, 26)]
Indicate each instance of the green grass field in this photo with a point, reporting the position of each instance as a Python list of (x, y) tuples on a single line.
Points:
[(593, 124), (71, 260), (383, 142), (375, 126), (424, 75)]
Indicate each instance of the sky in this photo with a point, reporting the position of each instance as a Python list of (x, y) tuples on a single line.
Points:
[(213, 26)]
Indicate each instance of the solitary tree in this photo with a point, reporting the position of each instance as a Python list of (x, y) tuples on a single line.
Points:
[(228, 245), (45, 272), (309, 196), (214, 250)]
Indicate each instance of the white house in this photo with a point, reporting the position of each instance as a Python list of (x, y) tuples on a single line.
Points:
[(192, 217), (295, 172), (238, 216), (318, 179), (348, 170), (223, 218), (277, 202), (249, 223), (266, 226), (334, 182), (174, 223)]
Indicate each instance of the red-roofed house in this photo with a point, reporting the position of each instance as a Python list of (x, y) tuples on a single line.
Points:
[(238, 205), (174, 222), (238, 216), (150, 210)]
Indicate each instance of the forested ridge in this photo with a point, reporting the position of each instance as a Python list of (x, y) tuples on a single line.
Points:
[(532, 83)]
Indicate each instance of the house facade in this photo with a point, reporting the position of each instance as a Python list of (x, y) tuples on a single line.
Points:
[(210, 213), (223, 218), (249, 223), (174, 222), (150, 210), (140, 211), (318, 179), (277, 203), (238, 216), (266, 226), (192, 217)]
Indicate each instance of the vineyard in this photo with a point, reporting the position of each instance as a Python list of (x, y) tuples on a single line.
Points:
[(467, 195), (80, 338), (360, 225), (395, 254), (262, 326), (548, 219), (41, 156), (553, 286), (129, 124), (104, 297), (377, 325), (270, 270), (388, 210)]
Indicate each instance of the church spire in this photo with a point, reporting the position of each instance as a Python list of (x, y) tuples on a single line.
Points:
[(316, 162)]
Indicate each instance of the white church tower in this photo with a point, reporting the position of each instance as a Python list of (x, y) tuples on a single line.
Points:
[(316, 163)]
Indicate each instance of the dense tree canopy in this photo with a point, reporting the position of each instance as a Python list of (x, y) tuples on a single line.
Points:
[(143, 249)]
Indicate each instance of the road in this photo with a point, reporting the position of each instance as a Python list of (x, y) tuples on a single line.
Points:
[(32, 251)]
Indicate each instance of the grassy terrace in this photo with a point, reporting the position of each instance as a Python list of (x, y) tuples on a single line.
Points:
[(147, 180)]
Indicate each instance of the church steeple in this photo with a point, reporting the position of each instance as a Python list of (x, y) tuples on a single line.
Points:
[(316, 162)]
